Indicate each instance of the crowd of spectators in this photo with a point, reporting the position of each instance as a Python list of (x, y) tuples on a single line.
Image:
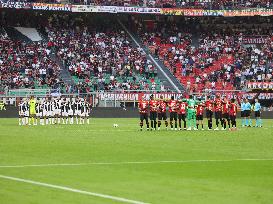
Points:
[(215, 56), (101, 58), (26, 65)]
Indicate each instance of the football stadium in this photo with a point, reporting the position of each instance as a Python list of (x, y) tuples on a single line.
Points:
[(136, 101)]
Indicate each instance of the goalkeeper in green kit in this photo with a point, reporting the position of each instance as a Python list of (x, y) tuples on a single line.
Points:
[(191, 112)]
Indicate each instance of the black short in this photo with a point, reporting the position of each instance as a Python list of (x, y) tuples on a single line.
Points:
[(247, 113), (232, 117), (243, 113), (153, 115), (199, 117), (257, 114), (226, 116), (173, 115), (162, 116), (218, 115), (181, 116), (209, 114), (143, 116)]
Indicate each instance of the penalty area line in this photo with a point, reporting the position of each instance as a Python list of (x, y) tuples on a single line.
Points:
[(134, 162), (64, 188)]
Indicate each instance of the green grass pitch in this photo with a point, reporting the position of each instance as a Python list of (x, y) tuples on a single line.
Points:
[(104, 154)]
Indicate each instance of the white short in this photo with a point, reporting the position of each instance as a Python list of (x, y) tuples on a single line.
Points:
[(57, 112), (70, 112), (40, 114), (51, 113), (21, 113), (64, 114), (45, 113), (26, 113), (78, 112), (85, 114)]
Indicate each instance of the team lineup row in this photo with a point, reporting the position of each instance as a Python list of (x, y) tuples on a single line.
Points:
[(191, 112), (51, 111)]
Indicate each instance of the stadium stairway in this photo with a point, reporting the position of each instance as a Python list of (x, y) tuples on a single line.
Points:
[(16, 35), (64, 73), (164, 74)]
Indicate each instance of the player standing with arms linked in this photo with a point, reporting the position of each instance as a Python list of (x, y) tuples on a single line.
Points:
[(191, 113), (209, 111), (173, 106), (200, 114), (162, 112), (153, 112), (218, 112), (182, 114), (143, 106), (232, 114), (226, 106)]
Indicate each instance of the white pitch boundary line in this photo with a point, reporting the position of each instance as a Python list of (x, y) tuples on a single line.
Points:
[(64, 188), (130, 162)]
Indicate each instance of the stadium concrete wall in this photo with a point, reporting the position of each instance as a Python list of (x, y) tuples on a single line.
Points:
[(12, 112)]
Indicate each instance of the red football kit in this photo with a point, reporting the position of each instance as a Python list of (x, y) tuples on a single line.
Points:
[(182, 108), (233, 109), (209, 105), (153, 106), (172, 106), (218, 105), (143, 106), (162, 107), (200, 109), (226, 105)]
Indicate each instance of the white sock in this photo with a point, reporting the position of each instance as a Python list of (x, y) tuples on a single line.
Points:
[(47, 121), (87, 120)]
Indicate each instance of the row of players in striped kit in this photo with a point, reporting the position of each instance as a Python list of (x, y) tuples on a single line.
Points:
[(54, 111)]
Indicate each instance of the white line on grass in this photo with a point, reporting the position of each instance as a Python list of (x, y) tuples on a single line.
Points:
[(119, 199), (130, 162)]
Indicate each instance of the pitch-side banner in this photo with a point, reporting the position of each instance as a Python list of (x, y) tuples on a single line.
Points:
[(15, 5), (260, 85), (135, 96), (51, 7), (114, 9), (228, 13), (255, 40), (83, 8)]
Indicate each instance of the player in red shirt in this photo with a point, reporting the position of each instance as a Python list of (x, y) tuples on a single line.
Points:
[(173, 106), (232, 113), (162, 115), (143, 106), (182, 110), (209, 111), (225, 111), (200, 114), (153, 112), (218, 103)]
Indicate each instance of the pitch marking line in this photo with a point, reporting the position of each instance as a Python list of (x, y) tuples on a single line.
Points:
[(132, 162), (120, 199)]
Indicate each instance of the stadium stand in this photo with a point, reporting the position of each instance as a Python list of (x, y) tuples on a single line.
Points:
[(219, 59)]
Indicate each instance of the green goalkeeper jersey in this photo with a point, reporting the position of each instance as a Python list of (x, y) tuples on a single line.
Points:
[(32, 105)]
